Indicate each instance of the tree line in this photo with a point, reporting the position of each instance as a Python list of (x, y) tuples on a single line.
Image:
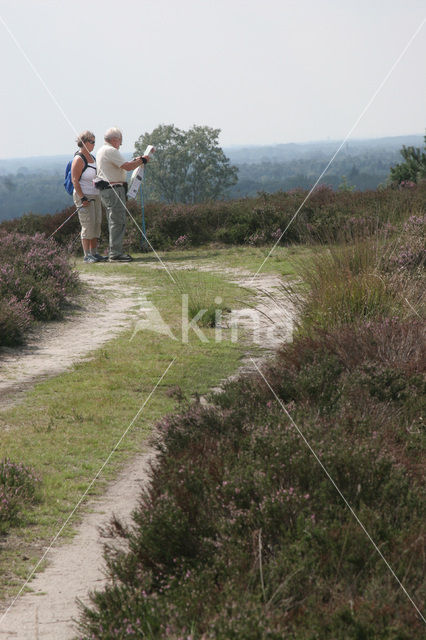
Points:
[(191, 167)]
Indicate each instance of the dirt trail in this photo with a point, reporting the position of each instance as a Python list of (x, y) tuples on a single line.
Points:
[(48, 613), (76, 568), (56, 346)]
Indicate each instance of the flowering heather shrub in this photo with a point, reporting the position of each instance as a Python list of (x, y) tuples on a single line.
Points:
[(326, 216), (18, 487), (257, 239), (34, 272), (241, 533), (182, 242), (15, 318), (410, 252)]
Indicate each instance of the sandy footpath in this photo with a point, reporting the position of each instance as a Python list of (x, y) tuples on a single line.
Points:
[(77, 567), (56, 346), (48, 613)]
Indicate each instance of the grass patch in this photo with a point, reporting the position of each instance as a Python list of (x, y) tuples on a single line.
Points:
[(201, 297), (283, 260), (362, 280), (18, 486)]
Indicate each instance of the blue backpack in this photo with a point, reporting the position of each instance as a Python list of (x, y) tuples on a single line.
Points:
[(69, 187)]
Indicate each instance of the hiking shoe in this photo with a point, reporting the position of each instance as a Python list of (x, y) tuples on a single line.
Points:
[(90, 259), (123, 257), (100, 258)]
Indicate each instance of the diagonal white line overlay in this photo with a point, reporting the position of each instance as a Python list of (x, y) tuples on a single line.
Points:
[(283, 407), (90, 485), (36, 73), (363, 112)]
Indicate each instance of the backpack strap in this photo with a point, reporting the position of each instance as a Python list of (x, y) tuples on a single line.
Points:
[(83, 157)]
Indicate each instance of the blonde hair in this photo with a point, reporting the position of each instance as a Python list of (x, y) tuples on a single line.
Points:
[(84, 137)]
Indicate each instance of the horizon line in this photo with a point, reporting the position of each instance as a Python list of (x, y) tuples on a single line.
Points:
[(240, 145)]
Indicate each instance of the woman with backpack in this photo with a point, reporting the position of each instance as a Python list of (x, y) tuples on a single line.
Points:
[(86, 196)]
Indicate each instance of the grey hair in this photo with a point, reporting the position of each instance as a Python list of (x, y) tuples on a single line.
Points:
[(112, 133), (84, 137)]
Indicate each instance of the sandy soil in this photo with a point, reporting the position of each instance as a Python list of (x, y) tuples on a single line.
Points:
[(76, 568), (56, 346), (49, 612)]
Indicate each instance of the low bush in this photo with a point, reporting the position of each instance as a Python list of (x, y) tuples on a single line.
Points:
[(242, 534), (18, 488), (36, 280), (15, 319), (326, 216), (32, 223), (409, 252)]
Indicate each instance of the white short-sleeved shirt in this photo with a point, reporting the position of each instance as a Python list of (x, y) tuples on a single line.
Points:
[(108, 162)]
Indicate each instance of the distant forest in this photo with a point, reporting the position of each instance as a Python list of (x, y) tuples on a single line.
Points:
[(36, 184), (361, 164)]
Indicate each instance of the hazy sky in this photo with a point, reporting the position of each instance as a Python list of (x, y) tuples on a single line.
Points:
[(262, 71)]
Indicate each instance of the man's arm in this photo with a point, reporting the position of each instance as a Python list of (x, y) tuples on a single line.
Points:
[(133, 164)]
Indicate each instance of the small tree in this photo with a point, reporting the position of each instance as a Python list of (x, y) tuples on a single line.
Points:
[(414, 167), (188, 166)]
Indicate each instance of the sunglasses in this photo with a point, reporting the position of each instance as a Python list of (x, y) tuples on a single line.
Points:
[(91, 141)]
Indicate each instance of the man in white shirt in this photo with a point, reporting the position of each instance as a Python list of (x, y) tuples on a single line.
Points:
[(111, 176)]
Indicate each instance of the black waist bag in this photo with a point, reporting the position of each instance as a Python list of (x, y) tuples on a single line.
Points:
[(101, 184)]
